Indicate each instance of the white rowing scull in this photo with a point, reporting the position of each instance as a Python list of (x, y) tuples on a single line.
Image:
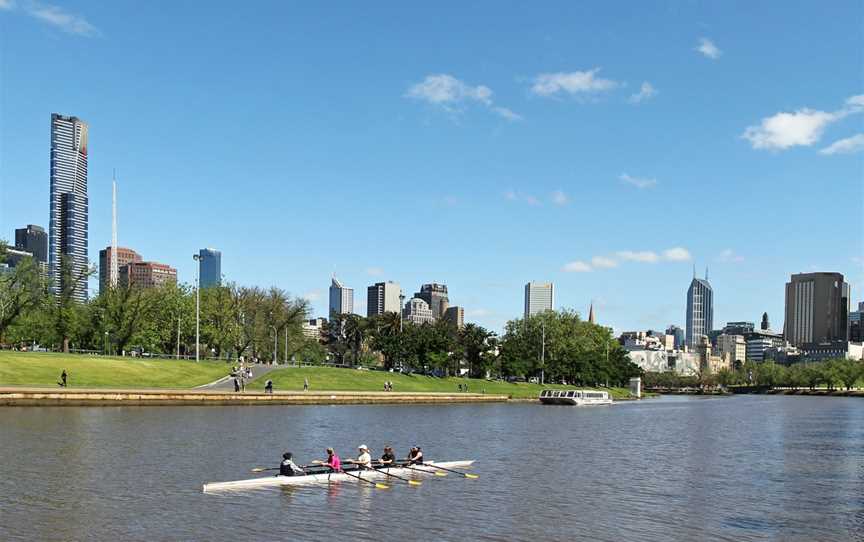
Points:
[(323, 478)]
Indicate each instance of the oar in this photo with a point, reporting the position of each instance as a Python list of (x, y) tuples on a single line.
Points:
[(379, 485), (410, 482), (435, 472), (465, 474), (263, 469)]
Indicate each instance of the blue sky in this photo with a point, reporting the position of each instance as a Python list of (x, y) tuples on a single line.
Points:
[(605, 146)]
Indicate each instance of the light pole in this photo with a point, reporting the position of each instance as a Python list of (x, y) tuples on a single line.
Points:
[(197, 259), (275, 342), (543, 352), (401, 316), (285, 357), (107, 351)]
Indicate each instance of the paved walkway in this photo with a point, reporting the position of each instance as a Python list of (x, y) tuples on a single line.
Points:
[(227, 382)]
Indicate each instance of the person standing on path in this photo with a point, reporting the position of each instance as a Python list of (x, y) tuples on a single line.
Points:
[(268, 386), (63, 378), (305, 384), (236, 385)]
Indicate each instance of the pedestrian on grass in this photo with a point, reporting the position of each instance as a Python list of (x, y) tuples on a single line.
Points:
[(305, 384), (236, 385), (63, 378), (268, 386)]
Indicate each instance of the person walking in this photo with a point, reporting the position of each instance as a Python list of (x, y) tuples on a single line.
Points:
[(305, 384), (236, 385), (268, 386), (63, 379)]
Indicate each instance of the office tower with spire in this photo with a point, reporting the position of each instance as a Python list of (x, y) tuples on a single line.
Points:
[(67, 237), (700, 310), (539, 297), (341, 298)]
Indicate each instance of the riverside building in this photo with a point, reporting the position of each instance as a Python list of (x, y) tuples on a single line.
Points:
[(383, 297), (341, 298), (435, 295), (209, 267), (125, 256), (34, 240), (700, 311), (817, 308), (417, 311), (539, 297), (67, 239)]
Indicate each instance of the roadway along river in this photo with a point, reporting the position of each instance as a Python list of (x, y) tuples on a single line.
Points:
[(739, 468)]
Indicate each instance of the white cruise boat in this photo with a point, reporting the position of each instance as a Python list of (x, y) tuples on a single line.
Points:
[(575, 397)]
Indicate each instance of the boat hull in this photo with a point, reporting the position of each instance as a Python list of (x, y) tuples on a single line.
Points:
[(325, 478)]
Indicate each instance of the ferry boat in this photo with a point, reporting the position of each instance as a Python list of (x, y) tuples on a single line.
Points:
[(575, 397)]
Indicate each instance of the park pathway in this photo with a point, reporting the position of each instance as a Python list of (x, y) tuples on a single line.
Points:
[(227, 382)]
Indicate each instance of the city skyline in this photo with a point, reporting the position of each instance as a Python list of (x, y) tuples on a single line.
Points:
[(431, 120)]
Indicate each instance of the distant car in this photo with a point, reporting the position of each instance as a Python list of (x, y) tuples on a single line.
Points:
[(534, 380)]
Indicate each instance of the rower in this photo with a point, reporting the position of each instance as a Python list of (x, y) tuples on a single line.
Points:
[(288, 467), (333, 461), (388, 458), (415, 456), (364, 460)]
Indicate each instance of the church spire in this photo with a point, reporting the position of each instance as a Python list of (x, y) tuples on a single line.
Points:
[(591, 314)]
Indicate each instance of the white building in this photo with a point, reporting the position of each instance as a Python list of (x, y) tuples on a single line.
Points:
[(313, 329), (732, 347), (539, 297), (660, 361), (383, 297), (341, 298), (417, 311)]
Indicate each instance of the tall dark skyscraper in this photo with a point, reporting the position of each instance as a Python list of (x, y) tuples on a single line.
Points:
[(210, 262), (700, 310), (817, 308), (436, 296), (69, 204), (34, 240)]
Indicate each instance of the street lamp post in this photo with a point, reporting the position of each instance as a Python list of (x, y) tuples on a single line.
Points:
[(197, 259), (401, 308), (543, 352), (285, 355)]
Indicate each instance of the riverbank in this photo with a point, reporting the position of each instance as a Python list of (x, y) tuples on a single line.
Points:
[(805, 392), (167, 397), (127, 375)]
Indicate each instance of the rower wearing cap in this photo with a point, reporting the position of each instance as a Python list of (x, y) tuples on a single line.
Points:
[(288, 467), (364, 460), (415, 456), (388, 458)]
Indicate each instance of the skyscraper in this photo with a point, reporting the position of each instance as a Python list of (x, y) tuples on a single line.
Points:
[(341, 298), (210, 267), (435, 295), (418, 312), (455, 316), (678, 335), (383, 297), (34, 240), (147, 274), (700, 310), (539, 297), (817, 308), (125, 256), (69, 204)]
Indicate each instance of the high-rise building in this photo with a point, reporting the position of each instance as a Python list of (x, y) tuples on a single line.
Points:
[(417, 311), (210, 267), (733, 347), (700, 311), (739, 328), (455, 316), (539, 297), (766, 325), (34, 240), (69, 204), (341, 298), (383, 297), (147, 274), (856, 324), (678, 335), (124, 256), (760, 341), (817, 308), (436, 296)]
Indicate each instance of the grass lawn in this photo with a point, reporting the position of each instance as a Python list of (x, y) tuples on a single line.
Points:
[(43, 369), (330, 379)]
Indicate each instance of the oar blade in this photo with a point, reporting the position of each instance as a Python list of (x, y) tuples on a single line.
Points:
[(439, 473), (415, 483), (472, 476), (381, 486)]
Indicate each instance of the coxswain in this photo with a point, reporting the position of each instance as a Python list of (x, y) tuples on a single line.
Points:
[(388, 458), (415, 456), (288, 467)]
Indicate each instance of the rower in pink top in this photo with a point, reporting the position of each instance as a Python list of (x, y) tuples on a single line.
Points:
[(333, 460)]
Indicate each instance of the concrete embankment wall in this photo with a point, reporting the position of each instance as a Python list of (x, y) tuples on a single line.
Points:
[(104, 397)]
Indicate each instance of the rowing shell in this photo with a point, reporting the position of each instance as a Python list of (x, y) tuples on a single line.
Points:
[(378, 474)]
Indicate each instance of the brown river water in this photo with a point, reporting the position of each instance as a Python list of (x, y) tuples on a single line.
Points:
[(676, 468)]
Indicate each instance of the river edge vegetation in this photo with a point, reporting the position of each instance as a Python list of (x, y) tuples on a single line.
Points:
[(266, 324)]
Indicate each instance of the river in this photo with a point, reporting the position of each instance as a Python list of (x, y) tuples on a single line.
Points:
[(674, 468)]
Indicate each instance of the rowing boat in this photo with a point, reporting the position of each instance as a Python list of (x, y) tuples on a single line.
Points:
[(323, 478)]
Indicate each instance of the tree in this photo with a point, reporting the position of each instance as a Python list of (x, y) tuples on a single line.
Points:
[(474, 344), (22, 289), (67, 310)]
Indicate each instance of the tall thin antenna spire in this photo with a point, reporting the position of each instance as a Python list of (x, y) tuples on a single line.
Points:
[(706, 273), (115, 268), (694, 270)]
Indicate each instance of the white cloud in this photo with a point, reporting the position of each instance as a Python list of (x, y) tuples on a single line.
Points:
[(578, 82), (576, 267), (638, 182), (560, 198), (803, 127), (848, 145), (644, 256), (449, 93), (603, 262), (676, 254), (374, 271), (729, 256), (646, 91), (507, 114), (62, 19), (312, 295), (708, 49)]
